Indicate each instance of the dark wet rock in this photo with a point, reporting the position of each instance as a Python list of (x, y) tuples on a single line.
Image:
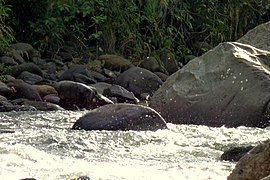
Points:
[(139, 81), (98, 76), (115, 63), (30, 67), (121, 117), (2, 98), (74, 95), (44, 90), (255, 165), (38, 105), (20, 89), (7, 107), (115, 92), (101, 86), (121, 94), (8, 61), (162, 76), (229, 85), (50, 67), (78, 73), (30, 78), (26, 50), (52, 98), (49, 77), (169, 63), (258, 37), (18, 56), (4, 89), (151, 64), (235, 154)]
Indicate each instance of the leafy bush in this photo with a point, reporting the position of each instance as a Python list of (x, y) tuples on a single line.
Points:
[(6, 33), (132, 28)]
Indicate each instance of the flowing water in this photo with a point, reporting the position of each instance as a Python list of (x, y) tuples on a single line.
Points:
[(44, 147)]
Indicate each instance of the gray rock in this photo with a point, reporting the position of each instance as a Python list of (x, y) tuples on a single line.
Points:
[(121, 117), (162, 76), (20, 89), (255, 165), (74, 95), (229, 85), (121, 94), (101, 86), (37, 105), (9, 61), (30, 78), (4, 89), (78, 73), (139, 81), (52, 98), (30, 67), (258, 37)]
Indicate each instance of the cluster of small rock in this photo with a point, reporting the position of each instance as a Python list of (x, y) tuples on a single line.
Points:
[(33, 83)]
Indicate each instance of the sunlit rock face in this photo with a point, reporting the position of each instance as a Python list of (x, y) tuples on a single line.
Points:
[(229, 85), (121, 117), (255, 165)]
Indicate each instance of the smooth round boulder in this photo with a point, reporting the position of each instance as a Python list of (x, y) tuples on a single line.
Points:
[(74, 96), (121, 117), (140, 81)]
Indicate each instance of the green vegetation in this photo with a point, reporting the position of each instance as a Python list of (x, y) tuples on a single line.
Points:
[(132, 28)]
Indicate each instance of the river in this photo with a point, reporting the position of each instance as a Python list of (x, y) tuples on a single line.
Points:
[(44, 147)]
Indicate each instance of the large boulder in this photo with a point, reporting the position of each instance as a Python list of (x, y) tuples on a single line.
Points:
[(255, 165), (258, 37), (140, 81), (121, 117), (229, 85), (74, 95)]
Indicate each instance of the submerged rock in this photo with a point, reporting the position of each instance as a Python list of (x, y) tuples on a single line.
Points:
[(235, 154), (121, 117), (229, 85), (255, 165)]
